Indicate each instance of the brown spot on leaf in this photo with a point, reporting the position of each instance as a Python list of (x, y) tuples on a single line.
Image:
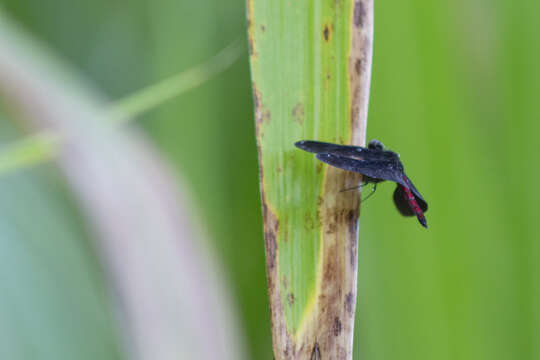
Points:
[(359, 13), (332, 228), (290, 299), (251, 37), (284, 282), (316, 353), (358, 66), (308, 221), (266, 116), (349, 304), (271, 228), (256, 95), (271, 247), (298, 113), (336, 328), (263, 28), (262, 114), (250, 45), (352, 219), (341, 353), (330, 269), (326, 33), (355, 111), (351, 216)]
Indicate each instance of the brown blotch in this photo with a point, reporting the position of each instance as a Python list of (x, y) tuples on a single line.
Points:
[(256, 96), (332, 228), (331, 267), (271, 247), (265, 115), (351, 216), (251, 38), (290, 299), (316, 353), (326, 33), (250, 46), (352, 219), (308, 221), (319, 167), (349, 303), (358, 66), (262, 114), (298, 113), (336, 328), (284, 282), (355, 112), (263, 28), (341, 353), (359, 13), (271, 229)]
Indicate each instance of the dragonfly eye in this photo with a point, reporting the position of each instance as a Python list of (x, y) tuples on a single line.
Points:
[(375, 145)]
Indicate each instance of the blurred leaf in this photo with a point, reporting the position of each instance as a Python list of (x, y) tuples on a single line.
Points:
[(148, 98), (41, 147), (209, 135), (54, 303), (29, 151), (171, 301)]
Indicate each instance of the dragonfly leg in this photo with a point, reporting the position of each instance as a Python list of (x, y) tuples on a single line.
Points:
[(371, 193), (355, 187)]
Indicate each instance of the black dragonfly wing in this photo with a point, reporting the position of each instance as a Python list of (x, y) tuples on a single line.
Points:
[(400, 200), (377, 169), (357, 152)]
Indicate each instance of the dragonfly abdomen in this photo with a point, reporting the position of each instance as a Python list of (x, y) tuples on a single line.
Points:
[(414, 206)]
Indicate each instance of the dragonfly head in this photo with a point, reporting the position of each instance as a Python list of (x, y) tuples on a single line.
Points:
[(375, 145)]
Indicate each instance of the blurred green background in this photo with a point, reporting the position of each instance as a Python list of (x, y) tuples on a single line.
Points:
[(455, 90)]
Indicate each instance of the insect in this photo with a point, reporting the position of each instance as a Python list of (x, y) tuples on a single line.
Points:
[(376, 164)]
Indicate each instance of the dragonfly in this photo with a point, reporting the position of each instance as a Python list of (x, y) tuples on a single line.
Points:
[(376, 164)]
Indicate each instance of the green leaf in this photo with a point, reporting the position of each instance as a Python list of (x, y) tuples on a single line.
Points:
[(310, 63)]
